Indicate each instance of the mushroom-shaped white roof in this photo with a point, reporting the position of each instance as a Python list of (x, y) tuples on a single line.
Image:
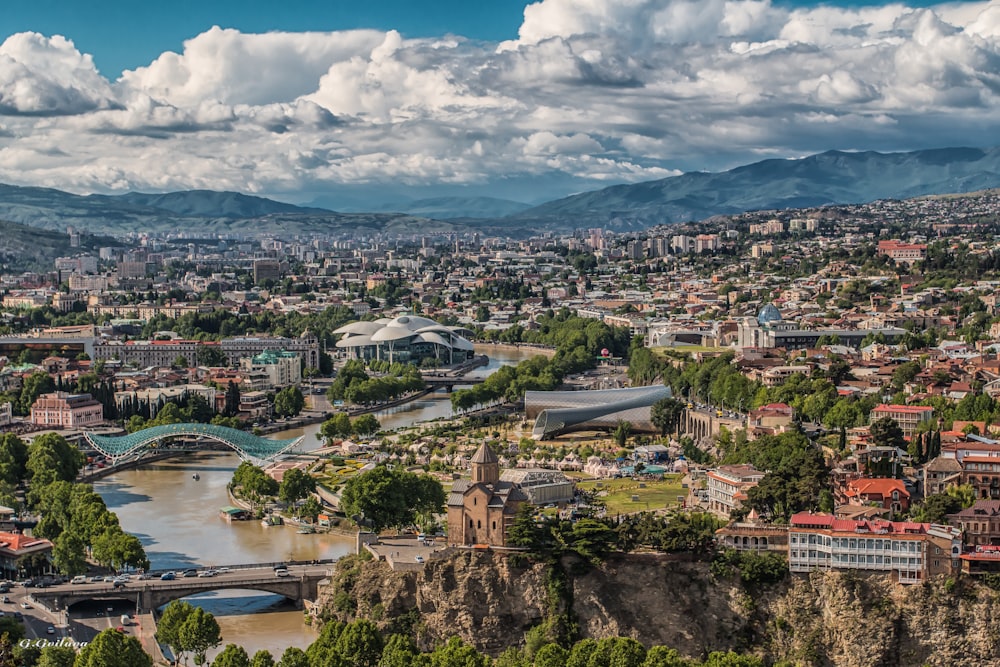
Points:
[(359, 328), (355, 341), (390, 333)]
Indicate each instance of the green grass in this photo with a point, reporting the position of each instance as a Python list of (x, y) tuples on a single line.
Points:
[(656, 495)]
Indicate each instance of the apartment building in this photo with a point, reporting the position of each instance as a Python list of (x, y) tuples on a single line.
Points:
[(727, 487), (910, 551), (909, 417)]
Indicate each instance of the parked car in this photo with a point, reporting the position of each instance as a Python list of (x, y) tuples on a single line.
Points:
[(50, 630), (168, 576)]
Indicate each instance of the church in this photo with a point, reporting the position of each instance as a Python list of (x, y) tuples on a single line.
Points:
[(481, 509)]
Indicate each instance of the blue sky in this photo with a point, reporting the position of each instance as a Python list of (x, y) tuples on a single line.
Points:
[(124, 34), (335, 101)]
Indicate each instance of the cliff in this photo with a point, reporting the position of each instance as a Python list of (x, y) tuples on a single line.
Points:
[(830, 618)]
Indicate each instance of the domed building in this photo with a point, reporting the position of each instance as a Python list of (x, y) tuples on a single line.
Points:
[(768, 314), (406, 339)]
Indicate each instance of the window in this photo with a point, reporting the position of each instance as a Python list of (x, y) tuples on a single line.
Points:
[(494, 525), (470, 523), (475, 501), (479, 524)]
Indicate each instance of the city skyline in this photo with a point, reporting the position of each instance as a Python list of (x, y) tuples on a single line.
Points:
[(569, 96)]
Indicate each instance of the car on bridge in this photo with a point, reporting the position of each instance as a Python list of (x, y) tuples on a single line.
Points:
[(282, 572), (168, 576)]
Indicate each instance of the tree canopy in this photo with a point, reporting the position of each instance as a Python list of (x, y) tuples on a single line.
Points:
[(391, 498)]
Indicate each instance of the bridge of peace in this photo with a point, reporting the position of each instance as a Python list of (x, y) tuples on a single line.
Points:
[(302, 584)]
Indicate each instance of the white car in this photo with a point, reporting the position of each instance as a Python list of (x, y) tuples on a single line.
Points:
[(418, 558), (282, 573), (207, 573)]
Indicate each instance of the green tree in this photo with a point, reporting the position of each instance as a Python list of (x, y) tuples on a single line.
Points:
[(551, 655), (198, 633), (456, 653), (391, 498), (399, 651), (289, 402), (13, 458), (622, 432), (366, 425), (886, 432), (337, 426), (56, 656), (32, 387), (68, 554), (180, 362), (295, 485), (111, 648), (666, 414), (232, 656), (262, 658), (211, 356), (293, 657), (360, 643), (311, 509), (661, 656), (51, 458)]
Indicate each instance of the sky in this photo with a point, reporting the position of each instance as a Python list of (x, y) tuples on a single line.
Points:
[(312, 100)]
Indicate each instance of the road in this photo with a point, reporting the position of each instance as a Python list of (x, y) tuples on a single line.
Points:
[(86, 619)]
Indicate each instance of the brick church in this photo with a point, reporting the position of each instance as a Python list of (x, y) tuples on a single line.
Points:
[(481, 509)]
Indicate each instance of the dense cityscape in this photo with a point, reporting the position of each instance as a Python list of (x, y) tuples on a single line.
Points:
[(773, 395)]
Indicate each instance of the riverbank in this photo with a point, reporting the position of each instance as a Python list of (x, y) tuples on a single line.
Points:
[(543, 350)]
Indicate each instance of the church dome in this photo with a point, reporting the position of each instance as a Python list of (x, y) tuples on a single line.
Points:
[(768, 313)]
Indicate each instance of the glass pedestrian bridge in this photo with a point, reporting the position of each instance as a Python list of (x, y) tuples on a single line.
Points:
[(250, 447)]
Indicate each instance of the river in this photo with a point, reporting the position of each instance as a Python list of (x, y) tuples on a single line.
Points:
[(176, 517)]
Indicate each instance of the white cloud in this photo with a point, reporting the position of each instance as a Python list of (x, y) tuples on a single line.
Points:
[(592, 90)]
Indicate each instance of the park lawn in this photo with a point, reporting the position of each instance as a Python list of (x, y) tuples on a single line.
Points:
[(656, 495)]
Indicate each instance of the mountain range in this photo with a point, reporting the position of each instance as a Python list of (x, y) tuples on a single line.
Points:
[(834, 177)]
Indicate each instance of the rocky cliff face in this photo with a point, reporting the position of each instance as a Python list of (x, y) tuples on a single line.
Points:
[(820, 619)]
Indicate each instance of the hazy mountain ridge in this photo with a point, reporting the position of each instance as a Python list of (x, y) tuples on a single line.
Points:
[(834, 177)]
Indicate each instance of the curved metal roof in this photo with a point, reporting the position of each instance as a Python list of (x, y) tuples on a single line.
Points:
[(247, 445), (355, 341), (359, 328)]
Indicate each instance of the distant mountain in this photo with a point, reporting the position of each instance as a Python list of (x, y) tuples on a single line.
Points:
[(211, 204), (834, 177), (450, 208)]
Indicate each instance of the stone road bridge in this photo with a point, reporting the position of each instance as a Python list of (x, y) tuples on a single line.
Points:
[(298, 587)]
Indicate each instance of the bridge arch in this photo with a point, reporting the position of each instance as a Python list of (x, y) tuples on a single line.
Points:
[(248, 446)]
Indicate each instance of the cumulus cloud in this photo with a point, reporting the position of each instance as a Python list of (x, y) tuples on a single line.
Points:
[(591, 91)]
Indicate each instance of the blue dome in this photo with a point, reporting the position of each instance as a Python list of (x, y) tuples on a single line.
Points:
[(768, 313)]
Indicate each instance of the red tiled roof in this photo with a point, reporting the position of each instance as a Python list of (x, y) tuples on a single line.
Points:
[(905, 409), (18, 542)]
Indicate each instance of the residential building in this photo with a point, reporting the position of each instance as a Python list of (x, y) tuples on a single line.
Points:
[(940, 473), (753, 537), (63, 410), (910, 551), (909, 417), (980, 524), (728, 485), (6, 413), (266, 269), (884, 492), (902, 252)]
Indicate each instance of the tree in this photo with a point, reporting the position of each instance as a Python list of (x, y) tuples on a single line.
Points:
[(111, 648), (622, 431), (337, 426), (232, 656), (262, 658), (360, 643), (295, 485), (551, 655), (68, 554), (391, 498), (399, 651), (13, 458), (198, 633), (289, 402), (51, 458), (293, 657), (32, 387), (886, 432), (366, 425), (232, 399), (180, 362), (666, 415), (456, 653), (311, 509), (210, 355), (56, 656), (661, 656)]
